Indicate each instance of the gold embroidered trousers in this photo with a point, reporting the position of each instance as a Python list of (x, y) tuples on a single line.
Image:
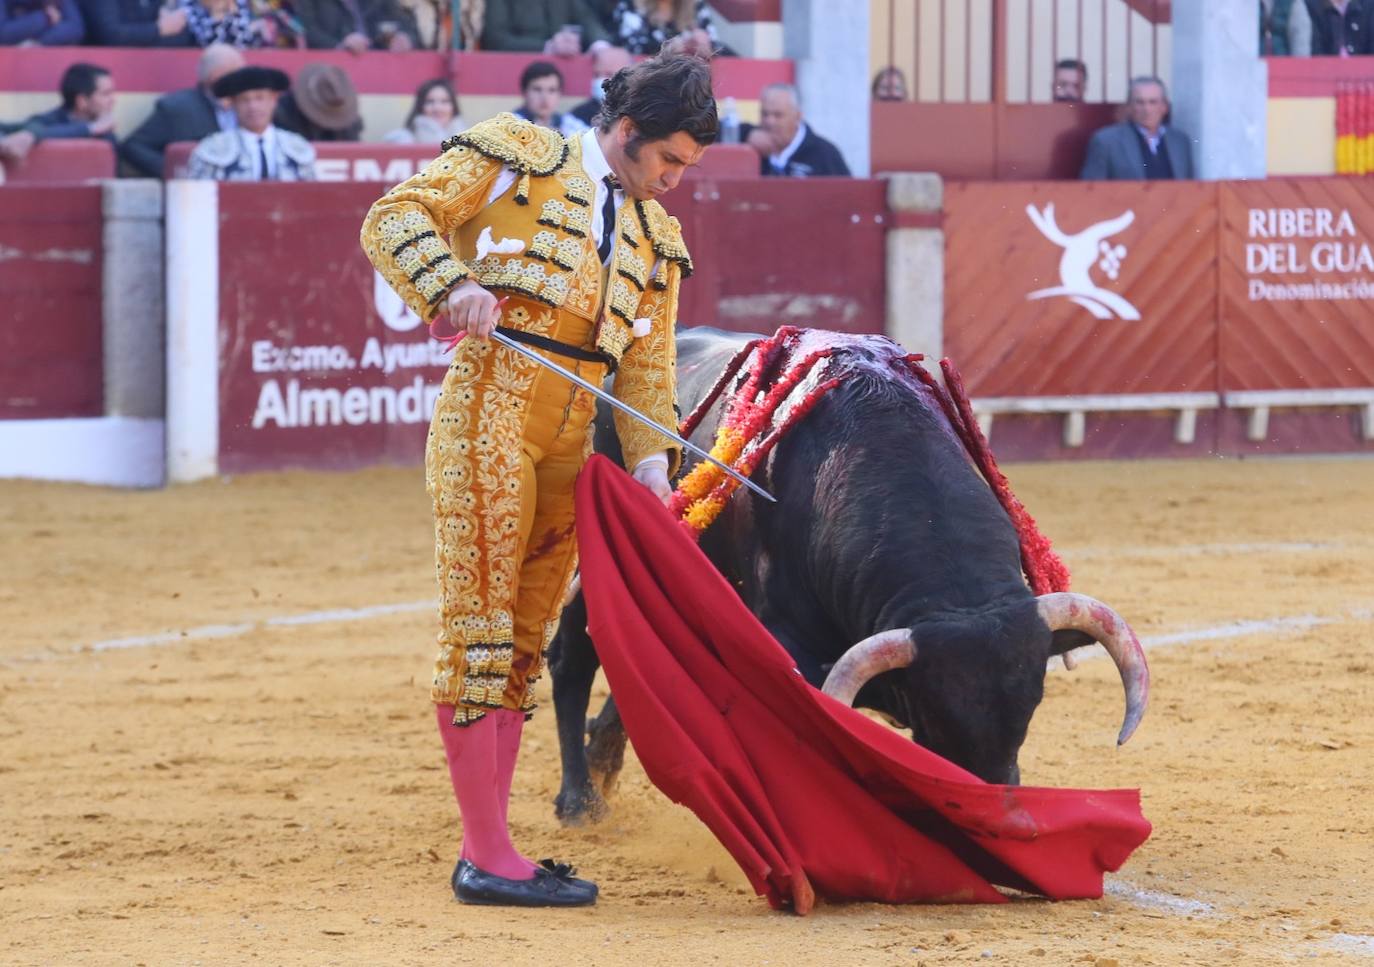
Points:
[(506, 443)]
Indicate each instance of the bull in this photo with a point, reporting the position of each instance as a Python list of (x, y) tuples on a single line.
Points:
[(887, 569)]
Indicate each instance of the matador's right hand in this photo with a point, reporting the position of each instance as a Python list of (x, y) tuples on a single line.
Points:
[(473, 310)]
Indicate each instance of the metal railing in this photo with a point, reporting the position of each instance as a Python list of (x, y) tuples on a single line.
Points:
[(1004, 51)]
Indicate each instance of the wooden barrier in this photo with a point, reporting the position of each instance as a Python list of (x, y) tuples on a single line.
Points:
[(66, 160), (50, 288)]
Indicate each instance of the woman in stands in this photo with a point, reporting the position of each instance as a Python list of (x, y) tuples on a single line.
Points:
[(644, 26), (433, 118), (222, 22)]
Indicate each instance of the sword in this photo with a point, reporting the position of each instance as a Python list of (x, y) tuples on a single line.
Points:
[(625, 408)]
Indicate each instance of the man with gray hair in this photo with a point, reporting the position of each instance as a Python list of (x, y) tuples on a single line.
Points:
[(1143, 147), (786, 144), (188, 115)]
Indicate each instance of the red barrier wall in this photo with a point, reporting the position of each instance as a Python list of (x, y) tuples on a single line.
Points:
[(320, 366), (50, 270), (62, 160)]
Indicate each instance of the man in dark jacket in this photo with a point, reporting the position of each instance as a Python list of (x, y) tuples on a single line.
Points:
[(54, 23), (1342, 29), (538, 26), (187, 115), (357, 25), (1142, 147), (134, 23), (786, 145), (87, 109)]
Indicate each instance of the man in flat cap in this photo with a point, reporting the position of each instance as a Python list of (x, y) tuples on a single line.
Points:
[(256, 150)]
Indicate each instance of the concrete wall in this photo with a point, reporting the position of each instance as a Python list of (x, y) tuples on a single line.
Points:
[(916, 263), (831, 52), (132, 294)]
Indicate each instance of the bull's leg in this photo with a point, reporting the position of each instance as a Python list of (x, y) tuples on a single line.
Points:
[(606, 748), (572, 668)]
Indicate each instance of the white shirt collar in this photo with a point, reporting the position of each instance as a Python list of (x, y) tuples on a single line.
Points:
[(269, 145), (785, 155), (1153, 140), (594, 161)]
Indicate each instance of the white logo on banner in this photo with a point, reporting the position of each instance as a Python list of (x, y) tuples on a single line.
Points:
[(396, 315), (1081, 252)]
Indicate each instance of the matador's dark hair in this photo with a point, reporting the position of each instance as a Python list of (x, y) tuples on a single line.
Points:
[(663, 95)]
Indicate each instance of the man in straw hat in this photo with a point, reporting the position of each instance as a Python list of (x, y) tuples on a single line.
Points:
[(587, 263), (256, 150), (322, 105)]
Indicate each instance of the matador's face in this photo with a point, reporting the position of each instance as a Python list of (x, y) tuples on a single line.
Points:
[(648, 169)]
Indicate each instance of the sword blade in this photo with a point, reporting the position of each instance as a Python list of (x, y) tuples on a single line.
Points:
[(628, 410)]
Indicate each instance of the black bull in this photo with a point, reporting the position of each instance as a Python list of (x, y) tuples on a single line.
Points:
[(883, 535)]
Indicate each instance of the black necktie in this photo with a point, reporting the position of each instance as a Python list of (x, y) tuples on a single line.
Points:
[(607, 220), (262, 157)]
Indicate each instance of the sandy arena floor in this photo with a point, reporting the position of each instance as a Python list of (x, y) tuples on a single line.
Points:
[(273, 792)]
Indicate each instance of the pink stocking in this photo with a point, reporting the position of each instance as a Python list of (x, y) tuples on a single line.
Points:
[(509, 726), (475, 767)]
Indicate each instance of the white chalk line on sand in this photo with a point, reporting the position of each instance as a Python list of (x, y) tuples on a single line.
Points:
[(1351, 943), (1155, 900), (243, 628), (1201, 550)]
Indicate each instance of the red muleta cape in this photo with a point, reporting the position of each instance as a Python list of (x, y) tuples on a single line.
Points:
[(809, 796)]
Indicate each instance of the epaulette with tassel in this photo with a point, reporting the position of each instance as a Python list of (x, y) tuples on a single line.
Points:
[(665, 234), (524, 147)]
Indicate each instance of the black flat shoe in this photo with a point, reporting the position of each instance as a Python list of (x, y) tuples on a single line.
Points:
[(545, 889), (565, 871)]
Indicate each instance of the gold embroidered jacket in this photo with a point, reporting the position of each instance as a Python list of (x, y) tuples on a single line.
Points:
[(435, 230)]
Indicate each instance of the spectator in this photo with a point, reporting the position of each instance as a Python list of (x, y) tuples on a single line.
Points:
[(433, 22), (134, 23), (644, 26), (434, 117), (356, 25), (563, 28), (1285, 28), (322, 105), (223, 22), (254, 150), (87, 109), (786, 144), (280, 26), (605, 62), (889, 85), (1341, 28), (52, 23), (16, 141), (1142, 146), (186, 115), (541, 84), (1070, 81)]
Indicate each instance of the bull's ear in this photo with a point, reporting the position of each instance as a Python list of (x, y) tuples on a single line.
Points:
[(1067, 640)]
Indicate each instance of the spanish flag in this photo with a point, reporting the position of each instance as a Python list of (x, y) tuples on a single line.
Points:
[(1355, 129)]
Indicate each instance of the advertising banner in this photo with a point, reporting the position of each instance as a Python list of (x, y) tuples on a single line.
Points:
[(321, 364), (1297, 283), (1066, 288)]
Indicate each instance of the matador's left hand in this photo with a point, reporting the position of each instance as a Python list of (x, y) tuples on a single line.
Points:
[(654, 475)]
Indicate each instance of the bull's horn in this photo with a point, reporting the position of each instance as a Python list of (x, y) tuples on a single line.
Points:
[(1090, 616), (574, 588), (881, 653)]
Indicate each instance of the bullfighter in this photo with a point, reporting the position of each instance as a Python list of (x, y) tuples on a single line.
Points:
[(587, 263)]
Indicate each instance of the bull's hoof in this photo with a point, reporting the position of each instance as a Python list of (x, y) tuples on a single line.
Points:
[(580, 808), (605, 757), (606, 780)]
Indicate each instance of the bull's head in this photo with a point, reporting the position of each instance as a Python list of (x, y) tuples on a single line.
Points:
[(968, 693)]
